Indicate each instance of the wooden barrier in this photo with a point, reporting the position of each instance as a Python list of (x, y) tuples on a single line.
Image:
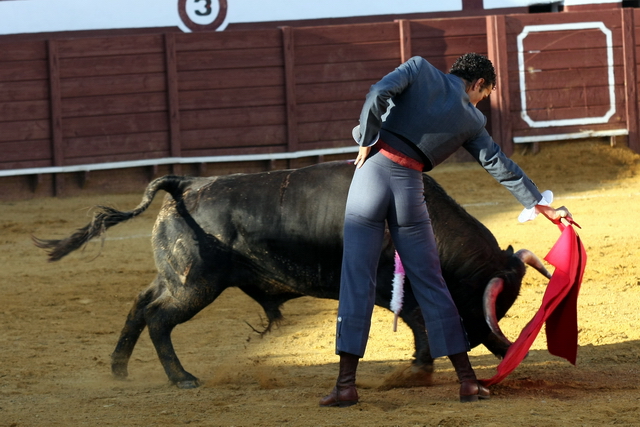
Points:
[(176, 102)]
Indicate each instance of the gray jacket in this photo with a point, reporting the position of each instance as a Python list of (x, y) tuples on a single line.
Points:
[(432, 111)]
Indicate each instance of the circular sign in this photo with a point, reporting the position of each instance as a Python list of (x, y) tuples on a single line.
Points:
[(203, 11)]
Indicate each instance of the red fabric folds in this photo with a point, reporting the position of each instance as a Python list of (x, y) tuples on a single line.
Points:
[(559, 308)]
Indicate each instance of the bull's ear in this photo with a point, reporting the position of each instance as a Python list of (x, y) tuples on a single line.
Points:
[(509, 250)]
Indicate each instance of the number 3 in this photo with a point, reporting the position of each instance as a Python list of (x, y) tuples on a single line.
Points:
[(222, 14), (207, 8)]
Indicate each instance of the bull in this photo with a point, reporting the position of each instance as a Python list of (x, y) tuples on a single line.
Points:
[(278, 236)]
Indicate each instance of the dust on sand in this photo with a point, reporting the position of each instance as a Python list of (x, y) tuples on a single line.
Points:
[(60, 322)]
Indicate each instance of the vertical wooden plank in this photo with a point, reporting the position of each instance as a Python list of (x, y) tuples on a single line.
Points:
[(405, 39), (173, 99), (500, 105), (57, 149), (290, 88), (630, 76)]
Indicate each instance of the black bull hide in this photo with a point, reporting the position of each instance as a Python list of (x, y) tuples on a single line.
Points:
[(278, 236)]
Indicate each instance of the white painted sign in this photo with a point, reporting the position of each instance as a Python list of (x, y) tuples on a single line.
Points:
[(522, 71), (36, 16)]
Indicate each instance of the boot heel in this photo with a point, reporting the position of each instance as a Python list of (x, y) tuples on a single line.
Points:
[(468, 399)]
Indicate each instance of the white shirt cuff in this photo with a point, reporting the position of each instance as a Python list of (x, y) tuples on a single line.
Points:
[(355, 133), (529, 214)]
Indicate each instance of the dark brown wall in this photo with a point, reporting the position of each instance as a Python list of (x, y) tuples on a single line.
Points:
[(93, 100)]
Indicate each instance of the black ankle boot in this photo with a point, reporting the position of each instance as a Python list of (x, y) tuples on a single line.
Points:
[(470, 389), (344, 393)]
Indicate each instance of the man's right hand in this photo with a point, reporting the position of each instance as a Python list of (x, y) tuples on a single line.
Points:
[(554, 215), (363, 152)]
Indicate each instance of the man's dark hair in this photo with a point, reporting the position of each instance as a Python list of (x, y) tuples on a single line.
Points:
[(472, 66)]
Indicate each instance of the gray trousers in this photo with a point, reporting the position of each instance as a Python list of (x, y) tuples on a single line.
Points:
[(383, 190)]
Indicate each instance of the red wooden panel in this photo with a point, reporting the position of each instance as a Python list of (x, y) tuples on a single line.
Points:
[(346, 34), (330, 112), (115, 125), (322, 131), (332, 92), (109, 46), (230, 78), (233, 117), (24, 110), (120, 176), (442, 56), (566, 40), (335, 143), (451, 46), (14, 71), (111, 85), (24, 91), (141, 143), (211, 60), (563, 113), (230, 98), (340, 72), (42, 163), (565, 78), (560, 130), (114, 104), (23, 151), (611, 19), (349, 53), (111, 65), (25, 130), (254, 136), (228, 40), (450, 27), (553, 60), (233, 167), (572, 97), (23, 51)]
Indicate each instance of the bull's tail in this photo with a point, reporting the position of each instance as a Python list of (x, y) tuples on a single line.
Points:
[(106, 217)]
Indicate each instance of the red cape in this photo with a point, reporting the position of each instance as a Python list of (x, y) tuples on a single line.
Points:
[(559, 308)]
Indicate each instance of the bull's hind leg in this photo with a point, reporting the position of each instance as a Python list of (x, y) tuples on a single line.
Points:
[(164, 314), (133, 327)]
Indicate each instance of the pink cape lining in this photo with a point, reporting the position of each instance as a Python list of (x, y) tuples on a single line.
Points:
[(559, 308)]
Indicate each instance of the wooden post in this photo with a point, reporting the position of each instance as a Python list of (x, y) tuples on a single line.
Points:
[(290, 88), (405, 39), (173, 100), (469, 5), (630, 76), (57, 149), (501, 126)]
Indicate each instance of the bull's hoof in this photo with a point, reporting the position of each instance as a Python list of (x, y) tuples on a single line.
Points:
[(409, 376), (187, 384), (119, 371)]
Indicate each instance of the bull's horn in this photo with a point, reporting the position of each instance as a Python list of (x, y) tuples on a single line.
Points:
[(490, 297), (532, 260)]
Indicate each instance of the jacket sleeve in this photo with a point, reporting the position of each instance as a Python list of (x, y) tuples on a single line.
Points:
[(507, 172), (377, 100)]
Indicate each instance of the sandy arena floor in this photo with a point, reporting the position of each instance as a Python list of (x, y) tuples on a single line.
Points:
[(60, 322)]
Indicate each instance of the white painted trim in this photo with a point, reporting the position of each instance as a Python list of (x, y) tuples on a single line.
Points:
[(563, 27), (179, 160), (565, 136)]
